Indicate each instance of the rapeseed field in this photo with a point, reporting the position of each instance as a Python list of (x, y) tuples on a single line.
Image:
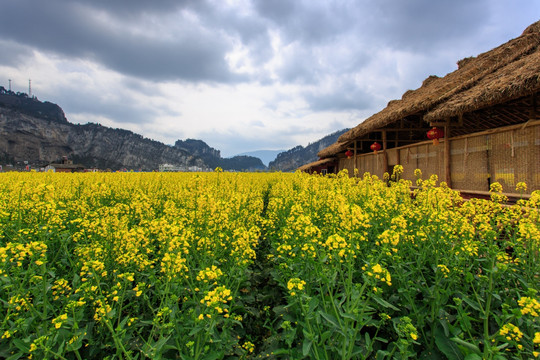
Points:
[(264, 265)]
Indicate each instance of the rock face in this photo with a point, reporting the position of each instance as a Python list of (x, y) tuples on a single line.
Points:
[(292, 159), (41, 140), (31, 106)]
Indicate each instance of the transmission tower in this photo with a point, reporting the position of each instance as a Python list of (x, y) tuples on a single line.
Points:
[(29, 88), (9, 84)]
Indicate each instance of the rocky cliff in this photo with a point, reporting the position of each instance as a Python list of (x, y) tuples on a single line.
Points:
[(292, 159), (41, 140)]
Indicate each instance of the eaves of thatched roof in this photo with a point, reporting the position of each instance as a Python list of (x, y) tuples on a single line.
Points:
[(515, 80), (333, 149), (503, 67), (316, 163)]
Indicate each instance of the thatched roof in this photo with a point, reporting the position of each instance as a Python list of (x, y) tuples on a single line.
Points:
[(316, 163), (503, 67), (333, 149), (513, 81)]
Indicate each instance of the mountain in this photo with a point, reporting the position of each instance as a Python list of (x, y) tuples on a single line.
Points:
[(292, 159), (213, 159), (38, 133), (265, 155)]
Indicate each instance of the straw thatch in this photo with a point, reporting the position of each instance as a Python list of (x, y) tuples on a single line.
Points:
[(333, 149), (515, 80), (471, 72), (316, 163)]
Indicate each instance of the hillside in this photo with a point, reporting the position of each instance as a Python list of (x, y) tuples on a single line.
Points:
[(292, 159), (38, 133), (266, 156)]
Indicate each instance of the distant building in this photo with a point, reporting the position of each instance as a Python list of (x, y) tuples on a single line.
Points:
[(177, 168), (170, 168), (65, 166)]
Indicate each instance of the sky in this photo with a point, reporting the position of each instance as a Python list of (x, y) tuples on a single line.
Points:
[(241, 75)]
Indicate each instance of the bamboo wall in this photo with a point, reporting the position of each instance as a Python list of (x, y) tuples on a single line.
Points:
[(505, 155)]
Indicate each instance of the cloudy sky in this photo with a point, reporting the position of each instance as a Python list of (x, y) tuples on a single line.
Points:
[(241, 75)]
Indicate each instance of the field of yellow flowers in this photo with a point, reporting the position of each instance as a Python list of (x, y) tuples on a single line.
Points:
[(264, 265)]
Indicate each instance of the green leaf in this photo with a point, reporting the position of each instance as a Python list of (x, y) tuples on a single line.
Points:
[(306, 346), (214, 355), (313, 303), (471, 303), (196, 330), (446, 346), (160, 343), (367, 340), (467, 345), (330, 318), (473, 357), (15, 356), (444, 325), (21, 345), (385, 303), (326, 335)]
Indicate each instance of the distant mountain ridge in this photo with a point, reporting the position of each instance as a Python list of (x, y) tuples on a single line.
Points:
[(266, 156), (212, 157), (292, 159), (38, 133)]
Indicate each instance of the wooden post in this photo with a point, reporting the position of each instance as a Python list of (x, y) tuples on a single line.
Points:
[(532, 112), (355, 166), (385, 153), (447, 166)]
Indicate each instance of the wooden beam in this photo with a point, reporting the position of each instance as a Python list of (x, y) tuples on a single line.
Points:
[(439, 124), (447, 163), (354, 156), (403, 129), (385, 153), (532, 113)]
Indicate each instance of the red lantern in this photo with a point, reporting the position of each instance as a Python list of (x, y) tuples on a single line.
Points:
[(375, 147), (349, 154), (435, 134)]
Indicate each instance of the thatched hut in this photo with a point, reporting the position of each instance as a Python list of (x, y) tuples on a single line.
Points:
[(323, 166), (487, 110)]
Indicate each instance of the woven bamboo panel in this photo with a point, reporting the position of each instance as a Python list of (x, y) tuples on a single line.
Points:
[(506, 157), (426, 157), (514, 158), (468, 163), (409, 160), (476, 161)]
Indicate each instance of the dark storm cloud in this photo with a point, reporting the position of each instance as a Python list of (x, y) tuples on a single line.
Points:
[(346, 97), (135, 7), (195, 50), (307, 21), (425, 24), (65, 28), (13, 54), (116, 102)]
